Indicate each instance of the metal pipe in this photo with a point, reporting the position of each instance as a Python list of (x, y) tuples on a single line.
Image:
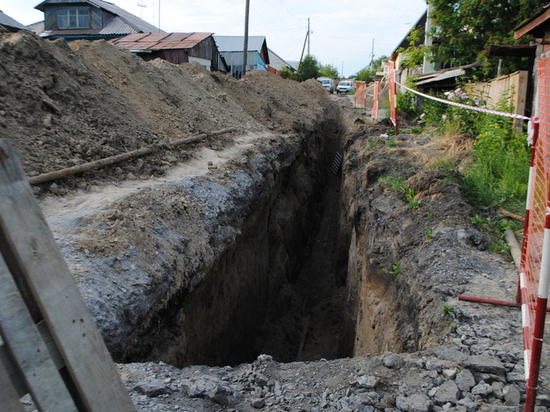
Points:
[(492, 301), (47, 177)]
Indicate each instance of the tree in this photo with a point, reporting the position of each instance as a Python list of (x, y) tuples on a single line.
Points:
[(329, 71), (463, 29), (367, 74), (308, 69), (414, 54), (288, 73)]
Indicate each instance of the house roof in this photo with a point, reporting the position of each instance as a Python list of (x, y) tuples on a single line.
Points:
[(7, 21), (160, 41), (124, 22), (537, 25), (232, 44), (421, 22), (236, 43), (278, 62)]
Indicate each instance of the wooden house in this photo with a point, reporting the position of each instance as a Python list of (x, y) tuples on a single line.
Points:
[(176, 48), (89, 20)]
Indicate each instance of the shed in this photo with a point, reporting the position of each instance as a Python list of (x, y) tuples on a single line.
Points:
[(232, 48), (176, 48), (89, 20)]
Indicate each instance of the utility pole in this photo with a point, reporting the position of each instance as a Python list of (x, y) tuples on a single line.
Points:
[(306, 41), (159, 16), (427, 66), (308, 37), (245, 50), (372, 54)]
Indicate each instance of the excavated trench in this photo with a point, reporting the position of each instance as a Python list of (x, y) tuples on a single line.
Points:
[(278, 288), (310, 270)]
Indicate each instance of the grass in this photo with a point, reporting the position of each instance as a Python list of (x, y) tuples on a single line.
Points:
[(485, 149), (495, 230), (395, 268), (373, 144), (410, 197), (447, 309), (396, 184)]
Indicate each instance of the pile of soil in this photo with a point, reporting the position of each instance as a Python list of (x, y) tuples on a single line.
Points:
[(64, 105)]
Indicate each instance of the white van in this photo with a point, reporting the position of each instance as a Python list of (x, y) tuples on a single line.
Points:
[(327, 83), (344, 86)]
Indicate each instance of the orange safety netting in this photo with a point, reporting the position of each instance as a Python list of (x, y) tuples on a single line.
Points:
[(532, 250)]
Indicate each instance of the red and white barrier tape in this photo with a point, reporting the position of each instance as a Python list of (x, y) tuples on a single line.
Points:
[(465, 106)]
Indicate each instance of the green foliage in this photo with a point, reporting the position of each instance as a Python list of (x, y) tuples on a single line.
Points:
[(452, 118), (309, 69), (465, 28), (288, 73), (367, 74), (372, 144), (495, 230), (409, 197), (414, 54), (500, 169), (429, 233), (395, 268), (329, 71), (447, 309), (396, 185), (405, 101)]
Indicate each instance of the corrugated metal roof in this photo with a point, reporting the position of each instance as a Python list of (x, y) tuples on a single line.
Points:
[(134, 22), (7, 21), (159, 41), (236, 43), (117, 26)]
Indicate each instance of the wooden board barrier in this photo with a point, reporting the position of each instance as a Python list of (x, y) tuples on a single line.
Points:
[(47, 331)]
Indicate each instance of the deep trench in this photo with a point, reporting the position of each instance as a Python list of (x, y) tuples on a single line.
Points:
[(279, 289)]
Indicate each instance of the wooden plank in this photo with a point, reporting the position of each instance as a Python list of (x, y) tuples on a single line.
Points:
[(30, 251), (8, 394), (532, 25), (12, 370), (25, 345), (13, 373)]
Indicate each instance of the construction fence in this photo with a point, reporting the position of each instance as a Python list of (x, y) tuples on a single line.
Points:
[(534, 277)]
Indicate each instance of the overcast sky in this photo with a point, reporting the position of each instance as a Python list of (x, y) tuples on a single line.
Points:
[(342, 31)]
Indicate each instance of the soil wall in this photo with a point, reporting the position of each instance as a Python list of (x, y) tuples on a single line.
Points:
[(220, 321), (393, 303)]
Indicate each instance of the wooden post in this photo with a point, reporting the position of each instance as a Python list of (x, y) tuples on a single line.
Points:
[(245, 50)]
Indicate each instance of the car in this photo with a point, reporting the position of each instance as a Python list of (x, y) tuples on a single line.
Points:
[(344, 86), (327, 83)]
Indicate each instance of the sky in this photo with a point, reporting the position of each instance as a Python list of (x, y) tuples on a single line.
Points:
[(342, 32)]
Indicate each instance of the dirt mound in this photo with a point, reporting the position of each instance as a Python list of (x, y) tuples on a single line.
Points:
[(64, 105)]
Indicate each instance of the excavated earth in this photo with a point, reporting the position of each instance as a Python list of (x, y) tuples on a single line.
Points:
[(238, 272)]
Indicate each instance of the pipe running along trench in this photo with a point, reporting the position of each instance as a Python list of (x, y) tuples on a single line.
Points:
[(47, 177)]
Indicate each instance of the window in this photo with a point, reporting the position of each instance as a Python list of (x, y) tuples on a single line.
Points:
[(73, 18)]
